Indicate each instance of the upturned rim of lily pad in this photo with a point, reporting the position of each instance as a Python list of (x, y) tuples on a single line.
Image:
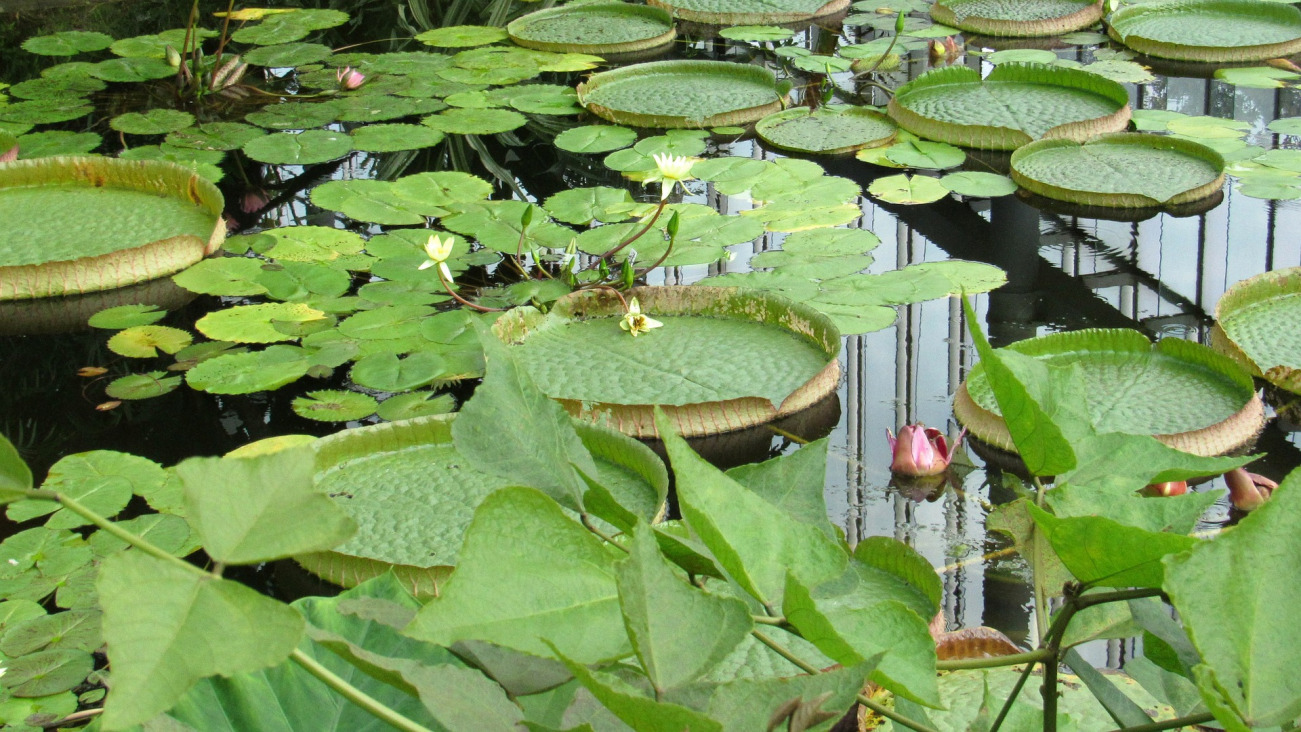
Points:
[(520, 27), (145, 261), (948, 14), (1228, 436), (658, 74), (1252, 292), (1280, 12), (704, 418), (718, 18)]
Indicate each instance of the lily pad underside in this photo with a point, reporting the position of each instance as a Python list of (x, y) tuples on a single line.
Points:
[(1125, 170), (1216, 31), (1184, 394), (70, 225), (1018, 18), (596, 28), (725, 358), (413, 495), (826, 131), (749, 12), (680, 94), (1015, 105), (1256, 324)]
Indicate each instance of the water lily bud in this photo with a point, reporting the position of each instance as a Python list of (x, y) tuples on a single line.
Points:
[(527, 218), (672, 226), (936, 50), (898, 23), (173, 57), (91, 371), (1247, 491), (920, 450), (1284, 64), (1168, 488), (627, 273), (951, 45), (349, 78)]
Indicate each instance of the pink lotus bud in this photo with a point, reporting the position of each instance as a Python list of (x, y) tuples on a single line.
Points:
[(920, 450), (1247, 491), (951, 46), (1168, 488), (349, 78), (10, 155), (1284, 64)]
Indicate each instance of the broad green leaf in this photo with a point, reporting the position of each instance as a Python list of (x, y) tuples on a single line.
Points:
[(15, 476), (1123, 709), (145, 341), (102, 480), (657, 604), (792, 483), (1242, 627), (254, 323), (334, 405), (752, 540), (755, 703), (595, 138), (641, 713), (299, 148), (978, 185), (142, 386), (76, 630), (462, 36), (127, 316), (388, 372), (394, 137), (1014, 520), (250, 510), (67, 43), (908, 189), (245, 373), (517, 536), (757, 33), (215, 136), (168, 627), (47, 672), (926, 155), (153, 122), (475, 121), (1103, 553), (57, 142)]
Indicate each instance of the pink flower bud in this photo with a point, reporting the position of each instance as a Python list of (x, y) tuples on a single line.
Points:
[(920, 450), (349, 78), (9, 155), (1247, 491), (1168, 488)]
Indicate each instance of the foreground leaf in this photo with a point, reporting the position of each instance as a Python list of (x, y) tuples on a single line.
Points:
[(1101, 552), (15, 476)]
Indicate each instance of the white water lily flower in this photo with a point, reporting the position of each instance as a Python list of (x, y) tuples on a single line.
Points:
[(636, 323), (438, 250), (671, 169)]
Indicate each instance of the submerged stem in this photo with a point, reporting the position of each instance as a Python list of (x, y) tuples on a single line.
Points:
[(355, 695)]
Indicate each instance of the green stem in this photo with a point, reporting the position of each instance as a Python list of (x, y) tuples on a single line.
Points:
[(1100, 598), (615, 250), (355, 695), (447, 286), (768, 620), (1037, 566), (1011, 698), (1188, 721), (785, 653), (1013, 659), (891, 714), (139, 543), (587, 522)]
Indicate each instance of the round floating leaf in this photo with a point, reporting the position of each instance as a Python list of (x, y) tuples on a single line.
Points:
[(255, 323), (476, 121), (1270, 191), (334, 406), (57, 142), (215, 136), (751, 12), (1286, 126), (202, 162), (142, 386), (681, 94), (380, 107), (67, 43), (826, 130), (1018, 19), (756, 33), (127, 316), (389, 372), (301, 148), (376, 201), (393, 321), (815, 64), (1213, 31), (140, 47), (293, 115), (75, 629), (1211, 128), (600, 28), (908, 189), (245, 373), (47, 672), (415, 404), (132, 69), (145, 341), (394, 137), (153, 122), (1254, 319), (1257, 77), (1015, 104), (462, 36), (225, 276), (547, 102), (1022, 56), (926, 155), (979, 185), (287, 55), (1122, 170), (1126, 72), (582, 206), (57, 87), (44, 111)]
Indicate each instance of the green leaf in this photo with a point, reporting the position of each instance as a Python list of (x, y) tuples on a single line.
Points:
[(1243, 626), (641, 713), (245, 373), (978, 185), (475, 121), (1124, 710), (517, 536), (394, 137), (1101, 552), (462, 36), (299, 148), (792, 483), (47, 672), (102, 480), (67, 43), (595, 138), (334, 405), (752, 540), (152, 122), (76, 630), (15, 476), (249, 510), (926, 155), (145, 341), (657, 604), (168, 627), (907, 189), (128, 316), (388, 372)]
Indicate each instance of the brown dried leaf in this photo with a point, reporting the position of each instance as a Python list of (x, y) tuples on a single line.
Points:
[(979, 642)]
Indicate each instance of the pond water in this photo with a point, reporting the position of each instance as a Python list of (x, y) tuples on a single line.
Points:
[(1162, 275)]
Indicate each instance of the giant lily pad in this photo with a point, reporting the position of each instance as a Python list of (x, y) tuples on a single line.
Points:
[(749, 12), (725, 358), (1125, 170), (1017, 18), (598, 28), (1214, 31), (1182, 393), (827, 131), (1255, 323), (682, 94), (413, 495), (72, 224), (1014, 105)]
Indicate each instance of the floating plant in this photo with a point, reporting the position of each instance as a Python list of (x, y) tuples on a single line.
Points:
[(1018, 19), (600, 28), (1214, 31), (749, 12), (682, 94), (1255, 323), (826, 131)]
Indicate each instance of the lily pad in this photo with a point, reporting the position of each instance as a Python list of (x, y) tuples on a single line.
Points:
[(1018, 18), (394, 137), (300, 148), (126, 316), (76, 224), (595, 138), (679, 94), (68, 43), (1254, 324), (596, 27), (978, 184), (1182, 393), (142, 386), (1014, 105), (749, 12), (908, 189), (461, 36), (153, 122), (333, 405), (413, 495), (245, 373), (1125, 170), (56, 142), (475, 121), (692, 366), (1215, 31), (826, 131), (145, 341), (415, 404), (255, 323)]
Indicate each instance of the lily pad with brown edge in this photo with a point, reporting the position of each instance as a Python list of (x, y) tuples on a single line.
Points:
[(81, 224), (1019, 19), (598, 28), (1214, 31), (826, 131), (1124, 170), (724, 359), (1256, 324), (1015, 105), (1184, 394), (413, 495), (678, 94)]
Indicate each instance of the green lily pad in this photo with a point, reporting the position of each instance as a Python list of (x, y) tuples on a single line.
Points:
[(475, 121), (245, 373), (681, 94), (1257, 77), (67, 43), (300, 148), (827, 131), (44, 111), (255, 323), (925, 155), (142, 386), (1183, 393), (334, 406), (133, 221), (750, 12), (415, 404), (132, 69), (47, 672), (756, 33), (1213, 31), (293, 116), (979, 185), (599, 28), (126, 316), (215, 136), (1017, 19), (462, 36), (291, 25), (57, 142), (394, 137), (153, 122), (1023, 56), (1253, 325), (1014, 105), (376, 201), (287, 55), (389, 372), (908, 189), (1123, 170), (57, 87), (145, 341)]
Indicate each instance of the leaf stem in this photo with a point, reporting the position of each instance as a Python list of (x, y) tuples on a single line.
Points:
[(355, 695), (615, 250), (1012, 659), (892, 715), (785, 653), (587, 522), (447, 286), (1011, 698), (1188, 721), (768, 620), (1037, 566), (138, 542)]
